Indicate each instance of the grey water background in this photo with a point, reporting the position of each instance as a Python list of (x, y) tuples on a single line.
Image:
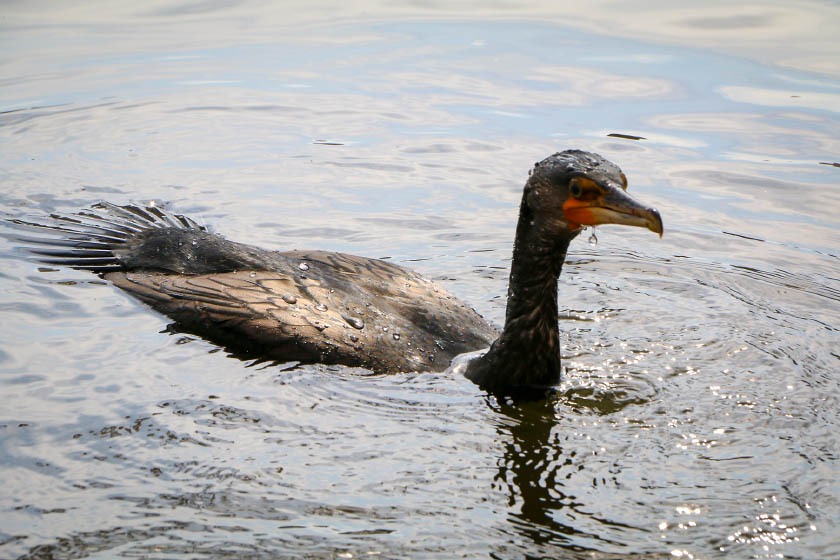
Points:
[(698, 416)]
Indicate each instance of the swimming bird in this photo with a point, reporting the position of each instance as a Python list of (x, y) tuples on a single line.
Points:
[(336, 308)]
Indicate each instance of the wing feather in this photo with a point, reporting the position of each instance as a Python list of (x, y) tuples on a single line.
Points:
[(268, 313)]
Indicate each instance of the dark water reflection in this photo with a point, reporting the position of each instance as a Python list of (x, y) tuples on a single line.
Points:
[(699, 409), (533, 472)]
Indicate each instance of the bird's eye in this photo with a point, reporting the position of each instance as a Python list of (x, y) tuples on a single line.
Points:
[(575, 189)]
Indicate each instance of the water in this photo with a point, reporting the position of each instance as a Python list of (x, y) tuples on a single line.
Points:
[(699, 409)]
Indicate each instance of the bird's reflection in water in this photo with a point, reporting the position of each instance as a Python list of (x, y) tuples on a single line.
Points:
[(534, 471)]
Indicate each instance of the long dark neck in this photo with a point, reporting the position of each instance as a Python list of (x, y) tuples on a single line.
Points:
[(527, 353)]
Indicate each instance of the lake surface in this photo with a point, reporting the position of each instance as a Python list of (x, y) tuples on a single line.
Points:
[(700, 407)]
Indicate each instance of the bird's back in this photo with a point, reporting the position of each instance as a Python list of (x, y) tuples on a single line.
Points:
[(309, 306)]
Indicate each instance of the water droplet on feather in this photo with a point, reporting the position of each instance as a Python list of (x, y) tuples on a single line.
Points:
[(354, 322)]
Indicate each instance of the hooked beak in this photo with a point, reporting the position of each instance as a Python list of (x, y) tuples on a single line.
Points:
[(611, 205)]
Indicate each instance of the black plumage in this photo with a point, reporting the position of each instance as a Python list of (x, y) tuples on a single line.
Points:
[(316, 306)]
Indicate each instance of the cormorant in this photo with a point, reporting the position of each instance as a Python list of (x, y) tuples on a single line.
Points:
[(316, 306)]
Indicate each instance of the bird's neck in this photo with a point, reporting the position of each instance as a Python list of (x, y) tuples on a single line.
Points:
[(527, 353)]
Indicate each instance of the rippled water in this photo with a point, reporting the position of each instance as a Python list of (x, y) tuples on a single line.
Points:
[(698, 416)]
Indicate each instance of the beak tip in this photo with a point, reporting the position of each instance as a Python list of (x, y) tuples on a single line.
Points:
[(655, 224)]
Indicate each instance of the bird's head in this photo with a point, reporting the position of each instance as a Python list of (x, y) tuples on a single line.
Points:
[(572, 189)]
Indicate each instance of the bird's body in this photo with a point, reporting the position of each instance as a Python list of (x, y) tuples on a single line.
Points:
[(316, 306), (308, 306)]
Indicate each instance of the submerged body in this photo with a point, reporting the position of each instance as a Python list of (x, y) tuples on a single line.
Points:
[(315, 306)]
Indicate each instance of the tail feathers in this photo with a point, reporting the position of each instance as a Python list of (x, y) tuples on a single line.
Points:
[(92, 239)]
